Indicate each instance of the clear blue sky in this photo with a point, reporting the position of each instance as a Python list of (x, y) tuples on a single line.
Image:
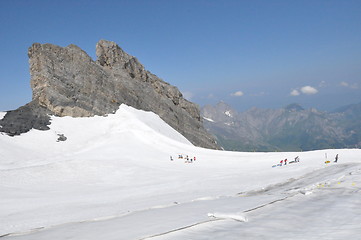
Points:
[(248, 53)]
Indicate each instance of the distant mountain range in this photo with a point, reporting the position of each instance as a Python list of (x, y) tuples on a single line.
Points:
[(292, 128)]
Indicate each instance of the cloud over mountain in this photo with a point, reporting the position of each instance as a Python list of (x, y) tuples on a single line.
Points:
[(295, 92), (237, 94), (307, 90)]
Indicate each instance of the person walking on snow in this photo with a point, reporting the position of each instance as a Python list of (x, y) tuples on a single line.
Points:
[(286, 161), (281, 162), (336, 158)]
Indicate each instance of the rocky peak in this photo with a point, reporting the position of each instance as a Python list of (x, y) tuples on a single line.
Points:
[(220, 112), (67, 82), (111, 56), (294, 107)]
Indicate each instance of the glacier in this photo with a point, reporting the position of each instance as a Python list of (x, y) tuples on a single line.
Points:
[(120, 177)]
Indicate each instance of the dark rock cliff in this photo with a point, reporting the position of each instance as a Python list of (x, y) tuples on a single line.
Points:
[(67, 82)]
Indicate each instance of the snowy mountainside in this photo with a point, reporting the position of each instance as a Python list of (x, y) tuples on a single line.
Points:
[(113, 178), (116, 130)]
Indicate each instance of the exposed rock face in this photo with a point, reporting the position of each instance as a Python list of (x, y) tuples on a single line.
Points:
[(67, 82), (25, 118)]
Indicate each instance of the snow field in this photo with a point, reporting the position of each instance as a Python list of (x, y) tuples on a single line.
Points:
[(113, 179)]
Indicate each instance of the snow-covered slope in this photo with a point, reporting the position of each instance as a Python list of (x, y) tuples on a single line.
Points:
[(113, 178)]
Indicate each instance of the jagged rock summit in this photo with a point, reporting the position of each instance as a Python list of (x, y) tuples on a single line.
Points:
[(67, 82)]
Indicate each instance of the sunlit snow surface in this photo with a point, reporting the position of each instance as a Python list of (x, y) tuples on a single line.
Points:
[(113, 178)]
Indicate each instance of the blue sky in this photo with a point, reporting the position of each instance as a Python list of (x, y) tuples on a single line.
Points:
[(247, 53)]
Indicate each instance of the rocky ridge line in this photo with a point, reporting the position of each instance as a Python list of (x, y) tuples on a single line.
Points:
[(66, 82)]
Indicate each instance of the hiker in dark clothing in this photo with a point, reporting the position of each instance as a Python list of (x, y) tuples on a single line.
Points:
[(336, 158)]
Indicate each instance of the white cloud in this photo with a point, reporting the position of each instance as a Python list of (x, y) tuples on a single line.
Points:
[(308, 90), (237, 94), (344, 84), (354, 86), (322, 84), (295, 92), (188, 95), (349, 85)]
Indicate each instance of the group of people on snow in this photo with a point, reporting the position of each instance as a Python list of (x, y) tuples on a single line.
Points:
[(297, 160), (186, 158), (284, 162)]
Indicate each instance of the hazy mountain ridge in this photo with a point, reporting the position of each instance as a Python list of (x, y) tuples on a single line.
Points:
[(292, 128)]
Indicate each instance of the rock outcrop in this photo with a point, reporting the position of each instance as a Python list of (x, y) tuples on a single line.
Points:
[(67, 82), (21, 120)]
